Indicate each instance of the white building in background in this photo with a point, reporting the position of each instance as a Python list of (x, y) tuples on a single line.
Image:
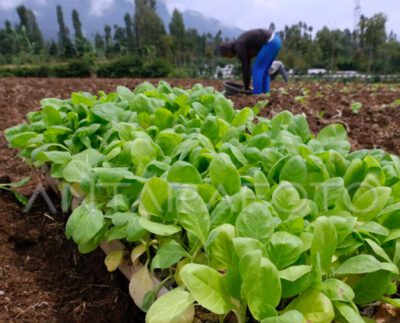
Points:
[(224, 72), (317, 71), (347, 73)]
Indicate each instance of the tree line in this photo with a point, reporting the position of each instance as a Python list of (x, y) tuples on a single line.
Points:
[(144, 36)]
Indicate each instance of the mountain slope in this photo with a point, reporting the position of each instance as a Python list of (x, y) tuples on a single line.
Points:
[(94, 17)]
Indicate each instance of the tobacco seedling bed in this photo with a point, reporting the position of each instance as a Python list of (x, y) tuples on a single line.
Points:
[(200, 204)]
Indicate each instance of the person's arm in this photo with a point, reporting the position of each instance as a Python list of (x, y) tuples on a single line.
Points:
[(282, 70), (241, 53)]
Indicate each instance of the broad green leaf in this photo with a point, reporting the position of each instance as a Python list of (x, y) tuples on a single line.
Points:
[(176, 306), (163, 118), (360, 264), (58, 157), (224, 108), (76, 171), (380, 281), (51, 116), (183, 172), (235, 154), (377, 249), (285, 199), (337, 290), (335, 163), (168, 140), (370, 181), (242, 117), (144, 87), (314, 305), (255, 221), (334, 137), (134, 231), (348, 312), (154, 198), (368, 205), (192, 213), (206, 286), (119, 202), (113, 175), (293, 273), (328, 193), (354, 174), (210, 128), (259, 275), (344, 224), (283, 118), (324, 242), (374, 228), (22, 139), (294, 171), (245, 245), (89, 156), (124, 93), (261, 184), (219, 246), (169, 254), (393, 235), (288, 317), (158, 228), (224, 175), (299, 127), (389, 266), (284, 249), (142, 153), (229, 208), (84, 223), (269, 157)]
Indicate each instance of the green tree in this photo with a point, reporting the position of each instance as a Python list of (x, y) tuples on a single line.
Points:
[(119, 40), (336, 48), (373, 36), (65, 44), (28, 23), (107, 40), (8, 46), (177, 31), (149, 28), (99, 44), (81, 44), (53, 49), (130, 32)]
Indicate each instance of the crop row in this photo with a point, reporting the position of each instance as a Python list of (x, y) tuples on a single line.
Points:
[(230, 210)]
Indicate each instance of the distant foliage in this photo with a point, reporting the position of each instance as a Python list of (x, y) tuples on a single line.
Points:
[(143, 36)]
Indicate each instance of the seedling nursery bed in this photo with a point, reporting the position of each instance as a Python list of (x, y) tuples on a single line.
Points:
[(44, 277)]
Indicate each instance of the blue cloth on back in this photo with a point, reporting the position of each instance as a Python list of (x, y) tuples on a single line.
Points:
[(263, 62)]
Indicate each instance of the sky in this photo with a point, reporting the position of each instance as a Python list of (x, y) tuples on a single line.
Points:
[(248, 14)]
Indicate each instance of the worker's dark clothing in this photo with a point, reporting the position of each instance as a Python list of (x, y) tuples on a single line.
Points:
[(247, 46)]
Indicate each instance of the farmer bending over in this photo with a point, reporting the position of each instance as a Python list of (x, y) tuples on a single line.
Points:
[(262, 43)]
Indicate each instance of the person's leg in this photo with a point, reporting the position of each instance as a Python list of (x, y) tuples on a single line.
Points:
[(258, 72), (262, 64), (275, 46)]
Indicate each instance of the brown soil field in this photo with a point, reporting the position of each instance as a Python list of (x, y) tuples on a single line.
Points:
[(43, 278)]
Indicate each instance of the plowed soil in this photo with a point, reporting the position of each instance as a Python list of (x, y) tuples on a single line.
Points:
[(43, 278)]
